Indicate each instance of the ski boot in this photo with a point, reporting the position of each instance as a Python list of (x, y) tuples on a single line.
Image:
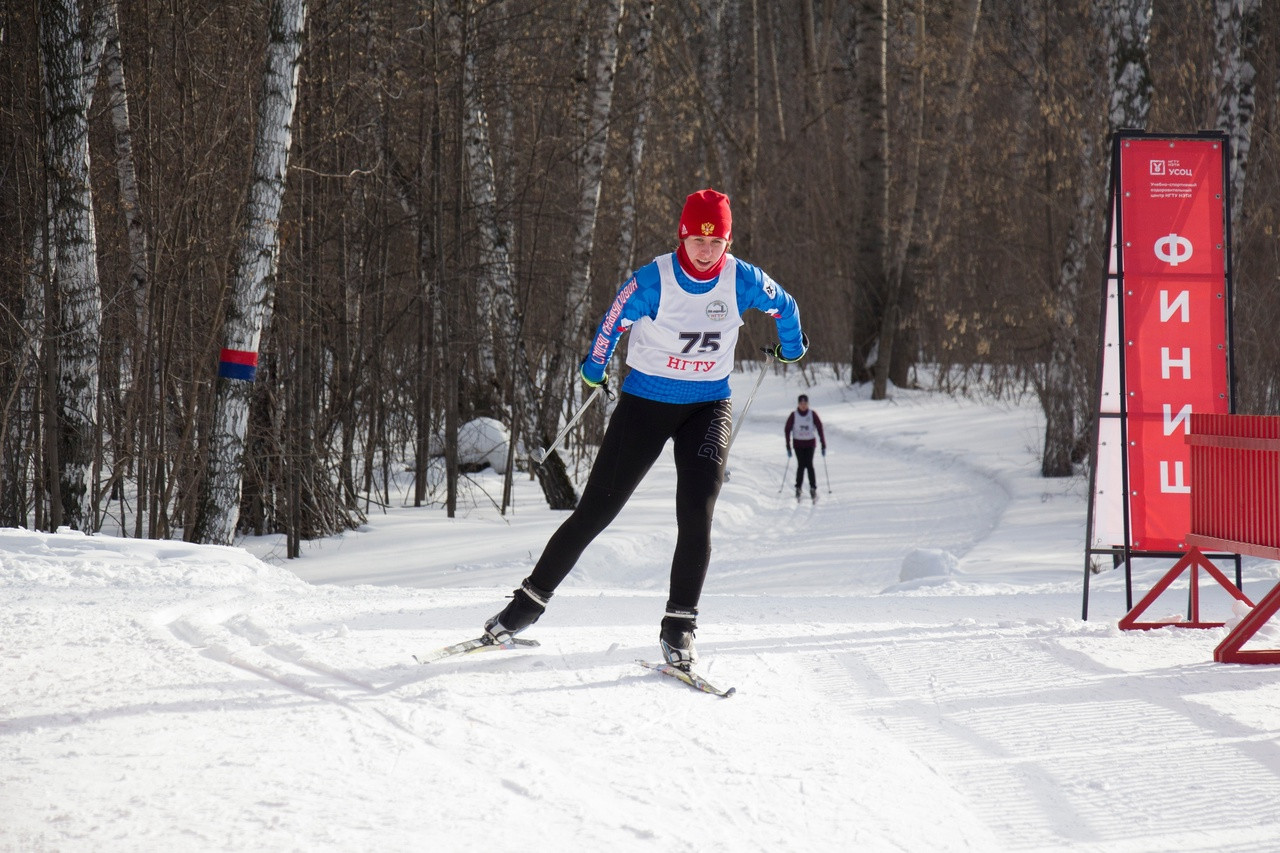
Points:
[(676, 637), (527, 604)]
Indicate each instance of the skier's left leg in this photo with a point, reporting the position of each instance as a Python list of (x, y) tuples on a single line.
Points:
[(634, 438), (701, 446), (804, 463)]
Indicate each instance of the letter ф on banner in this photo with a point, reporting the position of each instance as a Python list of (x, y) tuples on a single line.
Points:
[(1165, 340), (1174, 249)]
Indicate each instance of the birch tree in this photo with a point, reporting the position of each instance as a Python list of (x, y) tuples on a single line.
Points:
[(499, 318), (126, 170), (253, 287), (1236, 27), (1128, 41), (1059, 385), (79, 314), (642, 71), (714, 19), (595, 110), (495, 255)]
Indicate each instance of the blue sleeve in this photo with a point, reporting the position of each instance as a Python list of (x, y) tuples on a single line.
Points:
[(757, 290), (637, 298)]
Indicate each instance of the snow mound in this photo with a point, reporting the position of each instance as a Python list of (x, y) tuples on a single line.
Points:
[(926, 567), (483, 441), (69, 558), (928, 563)]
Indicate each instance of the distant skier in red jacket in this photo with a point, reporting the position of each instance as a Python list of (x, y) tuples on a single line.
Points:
[(804, 431)]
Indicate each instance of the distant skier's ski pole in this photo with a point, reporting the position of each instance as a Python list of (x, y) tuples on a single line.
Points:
[(825, 471), (540, 456), (785, 469)]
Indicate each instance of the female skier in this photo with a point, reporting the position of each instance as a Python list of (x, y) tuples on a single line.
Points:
[(683, 310)]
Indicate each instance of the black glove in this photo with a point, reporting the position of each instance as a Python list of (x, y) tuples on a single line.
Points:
[(776, 352), (602, 382)]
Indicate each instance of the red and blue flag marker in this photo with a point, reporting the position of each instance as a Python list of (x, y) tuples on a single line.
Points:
[(238, 364)]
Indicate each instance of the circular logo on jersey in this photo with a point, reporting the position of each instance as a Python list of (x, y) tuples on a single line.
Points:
[(717, 310), (708, 228)]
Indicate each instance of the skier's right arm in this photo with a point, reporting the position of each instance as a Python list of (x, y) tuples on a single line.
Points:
[(637, 298)]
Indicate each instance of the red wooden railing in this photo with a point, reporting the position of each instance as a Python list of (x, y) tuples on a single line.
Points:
[(1235, 484), (1235, 507)]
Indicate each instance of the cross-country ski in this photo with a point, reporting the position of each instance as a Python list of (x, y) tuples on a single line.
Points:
[(689, 677), (470, 647)]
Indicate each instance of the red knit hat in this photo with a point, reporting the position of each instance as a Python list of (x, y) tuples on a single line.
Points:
[(706, 213)]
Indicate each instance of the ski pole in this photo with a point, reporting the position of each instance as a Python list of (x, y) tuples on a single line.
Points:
[(540, 456), (742, 417), (785, 469), (826, 472)]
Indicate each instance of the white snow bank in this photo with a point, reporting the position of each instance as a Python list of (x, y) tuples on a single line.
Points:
[(69, 558)]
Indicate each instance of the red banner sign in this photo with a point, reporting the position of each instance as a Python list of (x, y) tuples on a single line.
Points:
[(1173, 331)]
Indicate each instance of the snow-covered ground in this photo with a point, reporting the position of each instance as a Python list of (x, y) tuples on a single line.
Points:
[(911, 668)]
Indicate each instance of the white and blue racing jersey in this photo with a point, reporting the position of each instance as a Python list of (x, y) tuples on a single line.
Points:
[(683, 330)]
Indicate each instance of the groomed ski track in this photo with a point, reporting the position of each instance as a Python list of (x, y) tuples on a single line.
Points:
[(166, 695)]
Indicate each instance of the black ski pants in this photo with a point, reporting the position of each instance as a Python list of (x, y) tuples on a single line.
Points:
[(636, 435), (804, 462)]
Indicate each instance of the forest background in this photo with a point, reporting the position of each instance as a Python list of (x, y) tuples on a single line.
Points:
[(255, 254)]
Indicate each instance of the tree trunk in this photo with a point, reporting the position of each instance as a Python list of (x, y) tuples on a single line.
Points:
[(872, 225), (643, 72), (21, 421), (1237, 24), (495, 261), (749, 159), (143, 392), (896, 273), (75, 249), (253, 287), (931, 197), (1058, 393), (1128, 36), (1060, 386), (501, 320), (597, 106), (713, 60), (126, 171)]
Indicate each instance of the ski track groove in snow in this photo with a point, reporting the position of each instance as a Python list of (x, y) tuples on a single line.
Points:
[(1022, 754)]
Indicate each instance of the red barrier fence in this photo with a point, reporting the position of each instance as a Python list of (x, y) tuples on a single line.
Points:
[(1235, 507), (1235, 484)]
